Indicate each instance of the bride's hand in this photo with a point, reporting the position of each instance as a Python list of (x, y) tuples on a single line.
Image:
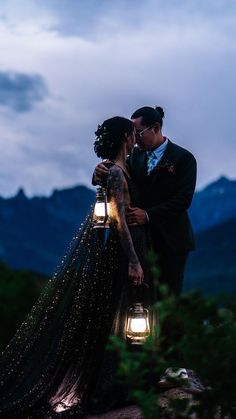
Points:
[(135, 273)]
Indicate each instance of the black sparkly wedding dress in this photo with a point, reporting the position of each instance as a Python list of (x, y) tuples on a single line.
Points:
[(57, 362)]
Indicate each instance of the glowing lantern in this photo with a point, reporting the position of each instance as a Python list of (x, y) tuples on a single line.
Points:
[(101, 209), (138, 328)]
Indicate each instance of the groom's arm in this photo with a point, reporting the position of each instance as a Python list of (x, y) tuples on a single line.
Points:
[(180, 201), (101, 172), (186, 171)]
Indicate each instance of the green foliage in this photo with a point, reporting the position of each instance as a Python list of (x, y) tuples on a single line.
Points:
[(194, 332), (18, 291)]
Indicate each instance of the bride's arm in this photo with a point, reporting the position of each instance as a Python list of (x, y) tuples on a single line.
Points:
[(116, 182)]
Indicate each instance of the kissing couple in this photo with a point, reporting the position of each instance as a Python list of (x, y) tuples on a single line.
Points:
[(57, 364)]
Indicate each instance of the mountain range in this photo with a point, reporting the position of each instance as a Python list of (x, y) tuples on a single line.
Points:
[(35, 232), (212, 267), (213, 205)]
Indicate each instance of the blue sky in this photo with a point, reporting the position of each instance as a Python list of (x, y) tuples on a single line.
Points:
[(67, 65)]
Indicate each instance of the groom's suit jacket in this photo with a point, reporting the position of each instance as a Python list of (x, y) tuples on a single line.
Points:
[(166, 195)]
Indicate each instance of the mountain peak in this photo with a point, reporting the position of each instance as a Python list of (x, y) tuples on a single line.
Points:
[(220, 186), (21, 194), (223, 180)]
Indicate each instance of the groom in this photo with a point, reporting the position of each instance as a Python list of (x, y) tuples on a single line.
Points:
[(166, 176)]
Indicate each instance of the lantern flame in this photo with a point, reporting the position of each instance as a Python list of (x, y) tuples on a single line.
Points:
[(138, 325), (99, 210)]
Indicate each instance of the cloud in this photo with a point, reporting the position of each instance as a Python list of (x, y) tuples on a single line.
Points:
[(94, 18), (19, 91), (179, 57)]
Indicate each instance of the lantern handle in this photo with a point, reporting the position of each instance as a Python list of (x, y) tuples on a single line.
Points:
[(138, 292)]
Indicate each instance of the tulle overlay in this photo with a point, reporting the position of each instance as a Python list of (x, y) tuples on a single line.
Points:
[(52, 360)]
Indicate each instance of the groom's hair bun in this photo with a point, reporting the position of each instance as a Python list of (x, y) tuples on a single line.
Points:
[(150, 115), (160, 110), (110, 136)]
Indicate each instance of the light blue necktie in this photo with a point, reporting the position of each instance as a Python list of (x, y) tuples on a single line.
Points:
[(151, 162)]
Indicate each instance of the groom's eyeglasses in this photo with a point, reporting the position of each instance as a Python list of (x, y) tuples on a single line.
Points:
[(139, 133)]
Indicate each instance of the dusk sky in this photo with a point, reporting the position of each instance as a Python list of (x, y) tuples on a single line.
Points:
[(66, 65)]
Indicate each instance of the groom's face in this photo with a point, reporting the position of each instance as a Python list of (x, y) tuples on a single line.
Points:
[(145, 136)]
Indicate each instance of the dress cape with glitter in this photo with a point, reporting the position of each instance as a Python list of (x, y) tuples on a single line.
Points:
[(57, 357)]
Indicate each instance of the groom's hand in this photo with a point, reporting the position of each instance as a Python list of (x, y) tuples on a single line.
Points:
[(101, 170), (99, 174), (135, 216)]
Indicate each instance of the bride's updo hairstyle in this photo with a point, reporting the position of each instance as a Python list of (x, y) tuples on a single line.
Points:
[(149, 115), (110, 136)]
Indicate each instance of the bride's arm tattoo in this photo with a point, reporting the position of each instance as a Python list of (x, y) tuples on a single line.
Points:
[(116, 182)]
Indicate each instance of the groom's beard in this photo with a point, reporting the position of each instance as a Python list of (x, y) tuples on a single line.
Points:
[(137, 145), (140, 147)]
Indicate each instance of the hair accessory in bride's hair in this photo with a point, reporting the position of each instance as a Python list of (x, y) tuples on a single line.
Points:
[(104, 136), (110, 136)]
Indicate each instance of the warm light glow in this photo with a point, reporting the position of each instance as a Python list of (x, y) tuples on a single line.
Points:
[(60, 404), (99, 209), (61, 408), (138, 325), (66, 403)]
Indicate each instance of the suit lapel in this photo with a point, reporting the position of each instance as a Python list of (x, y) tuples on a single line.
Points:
[(138, 163), (167, 157)]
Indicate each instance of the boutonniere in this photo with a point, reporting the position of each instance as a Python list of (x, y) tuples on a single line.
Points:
[(167, 166)]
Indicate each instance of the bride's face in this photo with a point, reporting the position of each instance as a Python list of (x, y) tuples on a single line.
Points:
[(131, 141)]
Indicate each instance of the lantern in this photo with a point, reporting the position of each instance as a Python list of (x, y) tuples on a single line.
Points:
[(101, 209), (138, 328)]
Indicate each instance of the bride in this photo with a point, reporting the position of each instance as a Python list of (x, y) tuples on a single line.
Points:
[(56, 364)]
